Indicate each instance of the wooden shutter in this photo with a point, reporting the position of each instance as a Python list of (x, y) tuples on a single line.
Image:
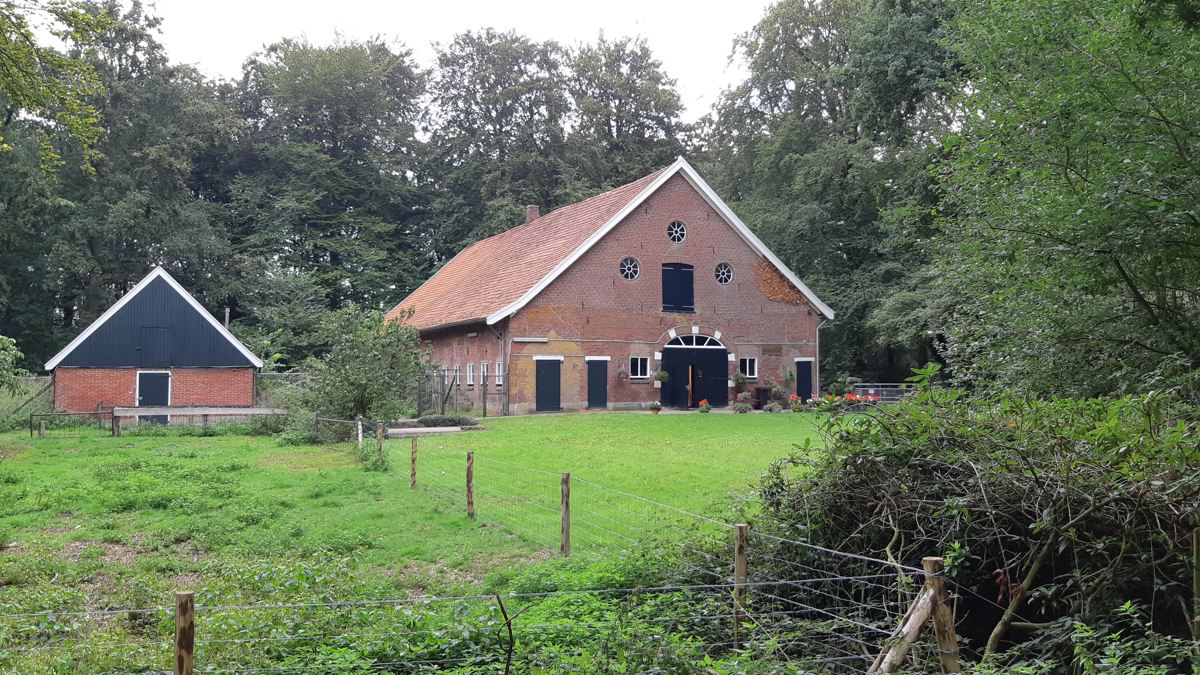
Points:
[(678, 291)]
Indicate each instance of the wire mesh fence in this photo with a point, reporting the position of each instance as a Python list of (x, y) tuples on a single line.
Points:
[(70, 424)]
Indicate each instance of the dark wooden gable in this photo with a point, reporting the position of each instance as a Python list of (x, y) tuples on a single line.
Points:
[(157, 328)]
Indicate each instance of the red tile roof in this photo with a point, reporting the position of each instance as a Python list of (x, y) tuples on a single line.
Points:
[(491, 274)]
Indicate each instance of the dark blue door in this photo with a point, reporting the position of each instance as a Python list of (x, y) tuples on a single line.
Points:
[(804, 373), (548, 385), (597, 384), (695, 375), (154, 389)]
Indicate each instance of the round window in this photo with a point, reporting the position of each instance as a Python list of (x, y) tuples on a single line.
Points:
[(723, 273), (676, 231), (630, 268)]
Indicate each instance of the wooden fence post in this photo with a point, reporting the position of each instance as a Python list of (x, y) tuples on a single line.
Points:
[(564, 546), (379, 433), (204, 422), (932, 601), (470, 484), (740, 559), (185, 632), (41, 428), (419, 401), (943, 614), (412, 472), (117, 430)]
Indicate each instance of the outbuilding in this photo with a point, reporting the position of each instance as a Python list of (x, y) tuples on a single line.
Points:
[(157, 346)]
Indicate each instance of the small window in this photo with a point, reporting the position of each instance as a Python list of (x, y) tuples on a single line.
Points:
[(639, 367), (446, 375), (483, 373), (723, 274), (499, 375), (676, 231), (748, 367), (457, 374), (470, 374), (630, 268)]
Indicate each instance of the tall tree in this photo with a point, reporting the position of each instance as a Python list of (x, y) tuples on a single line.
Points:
[(824, 138), (498, 136), (40, 81), (626, 119), (1074, 241), (327, 187)]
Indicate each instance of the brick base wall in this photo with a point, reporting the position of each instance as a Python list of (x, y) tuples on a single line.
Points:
[(83, 389)]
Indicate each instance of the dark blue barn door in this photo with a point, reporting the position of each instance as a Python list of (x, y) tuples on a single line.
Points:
[(548, 385), (678, 292), (597, 384), (154, 389), (804, 373)]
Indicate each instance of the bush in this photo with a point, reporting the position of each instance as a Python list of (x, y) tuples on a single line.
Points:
[(773, 407), (1091, 501), (742, 408), (448, 421)]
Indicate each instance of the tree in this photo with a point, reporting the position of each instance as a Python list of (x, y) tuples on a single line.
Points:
[(824, 149), (10, 357), (327, 185), (1073, 247), (40, 81), (626, 113), (498, 140)]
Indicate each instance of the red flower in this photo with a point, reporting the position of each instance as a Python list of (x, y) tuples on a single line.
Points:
[(794, 397)]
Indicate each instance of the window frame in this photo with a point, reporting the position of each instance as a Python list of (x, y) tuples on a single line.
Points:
[(682, 231), (470, 374), (746, 361), (717, 273), (457, 374), (483, 372), (645, 362), (636, 266), (499, 374)]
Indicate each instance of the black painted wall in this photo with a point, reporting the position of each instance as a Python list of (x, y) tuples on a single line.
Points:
[(156, 328)]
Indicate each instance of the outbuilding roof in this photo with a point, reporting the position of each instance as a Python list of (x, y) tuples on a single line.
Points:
[(494, 278), (157, 323)]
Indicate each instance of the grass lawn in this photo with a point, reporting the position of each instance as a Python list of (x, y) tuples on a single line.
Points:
[(98, 522)]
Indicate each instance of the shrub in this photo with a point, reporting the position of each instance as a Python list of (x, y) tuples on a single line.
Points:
[(704, 406), (1090, 501), (742, 408), (448, 421), (773, 407)]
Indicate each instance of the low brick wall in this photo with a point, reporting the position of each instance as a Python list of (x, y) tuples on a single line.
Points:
[(83, 389)]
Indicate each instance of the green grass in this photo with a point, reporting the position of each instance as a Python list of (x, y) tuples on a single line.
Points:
[(97, 521)]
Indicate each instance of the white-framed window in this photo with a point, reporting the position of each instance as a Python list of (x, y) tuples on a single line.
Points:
[(470, 374), (483, 374), (446, 375), (499, 375), (639, 367), (457, 374), (748, 367)]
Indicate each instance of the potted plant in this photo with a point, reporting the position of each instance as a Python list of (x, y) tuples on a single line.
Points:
[(704, 406), (655, 407), (740, 381), (660, 377)]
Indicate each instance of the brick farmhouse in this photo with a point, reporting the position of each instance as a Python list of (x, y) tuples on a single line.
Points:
[(583, 307), (156, 346)]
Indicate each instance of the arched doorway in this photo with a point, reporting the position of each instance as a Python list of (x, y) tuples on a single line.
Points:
[(698, 369)]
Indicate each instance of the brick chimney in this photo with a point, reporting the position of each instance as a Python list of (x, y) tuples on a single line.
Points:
[(532, 213)]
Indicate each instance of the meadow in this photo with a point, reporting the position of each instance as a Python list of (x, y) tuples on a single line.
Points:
[(97, 522)]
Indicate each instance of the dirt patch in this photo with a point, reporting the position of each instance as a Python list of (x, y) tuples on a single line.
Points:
[(307, 460), (112, 553)]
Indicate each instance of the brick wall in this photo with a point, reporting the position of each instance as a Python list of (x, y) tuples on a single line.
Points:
[(82, 389), (592, 310)]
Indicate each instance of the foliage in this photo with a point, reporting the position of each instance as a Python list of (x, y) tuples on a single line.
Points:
[(662, 376), (773, 407), (656, 405), (372, 368), (828, 135), (448, 421), (9, 357), (704, 406), (1050, 512), (43, 82), (1071, 200)]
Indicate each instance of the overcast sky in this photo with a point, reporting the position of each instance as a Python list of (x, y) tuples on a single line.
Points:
[(692, 39)]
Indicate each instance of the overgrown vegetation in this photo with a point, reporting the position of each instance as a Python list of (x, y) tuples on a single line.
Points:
[(1067, 525)]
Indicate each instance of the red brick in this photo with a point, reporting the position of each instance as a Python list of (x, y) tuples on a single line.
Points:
[(83, 389)]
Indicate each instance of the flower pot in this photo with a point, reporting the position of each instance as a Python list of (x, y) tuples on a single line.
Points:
[(654, 411)]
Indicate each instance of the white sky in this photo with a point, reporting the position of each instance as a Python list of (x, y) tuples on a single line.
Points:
[(692, 39)]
